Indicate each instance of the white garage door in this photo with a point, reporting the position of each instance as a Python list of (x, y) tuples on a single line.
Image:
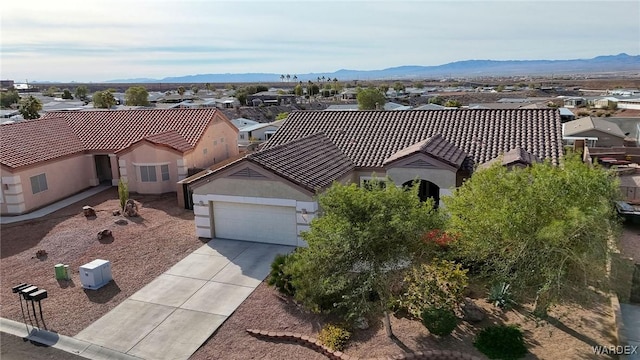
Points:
[(260, 223)]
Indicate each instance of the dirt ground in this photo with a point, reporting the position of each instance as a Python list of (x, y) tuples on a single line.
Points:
[(164, 234), (139, 252)]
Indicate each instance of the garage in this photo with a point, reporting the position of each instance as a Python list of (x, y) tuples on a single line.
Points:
[(253, 222)]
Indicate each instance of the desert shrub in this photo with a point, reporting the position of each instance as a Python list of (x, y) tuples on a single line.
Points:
[(583, 113), (500, 295), (439, 284), (439, 321), (501, 342), (123, 193), (335, 337), (280, 276)]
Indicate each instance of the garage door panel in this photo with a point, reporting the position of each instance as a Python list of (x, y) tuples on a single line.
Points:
[(260, 223)]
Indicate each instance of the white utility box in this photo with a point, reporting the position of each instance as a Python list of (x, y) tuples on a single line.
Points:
[(95, 274)]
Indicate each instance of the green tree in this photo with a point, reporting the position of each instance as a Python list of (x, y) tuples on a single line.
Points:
[(136, 96), (66, 94), (383, 88), (103, 99), (181, 91), (500, 88), (29, 107), (438, 100), (208, 87), (82, 92), (370, 99), (419, 85), (298, 90), (51, 91), (282, 115), (195, 89), (123, 193), (8, 98), (358, 247), (544, 229), (398, 86), (453, 103)]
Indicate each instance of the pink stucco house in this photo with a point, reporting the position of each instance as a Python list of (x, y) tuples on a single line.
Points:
[(62, 153)]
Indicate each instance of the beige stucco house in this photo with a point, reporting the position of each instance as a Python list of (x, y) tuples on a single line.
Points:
[(269, 195), (63, 153), (597, 132)]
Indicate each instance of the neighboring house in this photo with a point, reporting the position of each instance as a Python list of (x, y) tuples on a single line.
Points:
[(342, 107), (433, 107), (629, 103), (268, 196), (258, 133), (573, 102), (271, 98), (566, 115), (349, 94), (391, 106), (242, 122), (47, 159), (598, 132)]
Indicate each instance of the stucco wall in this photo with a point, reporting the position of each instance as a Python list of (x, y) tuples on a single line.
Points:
[(604, 139), (146, 154), (251, 188), (64, 178), (219, 142)]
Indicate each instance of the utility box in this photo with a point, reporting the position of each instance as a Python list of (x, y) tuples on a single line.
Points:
[(95, 274)]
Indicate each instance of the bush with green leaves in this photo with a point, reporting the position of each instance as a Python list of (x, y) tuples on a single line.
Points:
[(280, 276), (439, 284), (500, 295), (123, 193), (335, 337), (439, 321), (501, 342)]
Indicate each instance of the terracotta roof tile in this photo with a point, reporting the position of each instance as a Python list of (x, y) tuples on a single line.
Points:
[(172, 139), (111, 130), (435, 146), (368, 138), (514, 156), (312, 161), (58, 134), (31, 141)]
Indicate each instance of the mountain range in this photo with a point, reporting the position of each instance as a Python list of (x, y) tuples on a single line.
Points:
[(467, 68)]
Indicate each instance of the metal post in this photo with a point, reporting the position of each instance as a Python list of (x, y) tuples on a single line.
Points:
[(34, 312), (41, 317)]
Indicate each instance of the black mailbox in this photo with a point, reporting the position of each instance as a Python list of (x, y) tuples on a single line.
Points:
[(19, 287), (28, 290), (38, 295)]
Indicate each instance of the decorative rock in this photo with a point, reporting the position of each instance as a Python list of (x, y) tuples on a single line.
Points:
[(104, 233), (361, 323), (121, 222), (471, 312), (88, 211), (130, 208), (116, 212)]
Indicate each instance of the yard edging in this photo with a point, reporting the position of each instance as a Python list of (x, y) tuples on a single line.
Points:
[(315, 345)]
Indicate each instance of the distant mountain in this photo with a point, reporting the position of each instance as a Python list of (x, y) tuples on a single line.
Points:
[(466, 68)]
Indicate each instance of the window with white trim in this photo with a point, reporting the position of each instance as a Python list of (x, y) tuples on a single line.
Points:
[(38, 183), (148, 173), (164, 171)]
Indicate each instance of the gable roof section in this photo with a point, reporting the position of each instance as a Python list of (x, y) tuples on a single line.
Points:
[(171, 139), (115, 130), (313, 161), (32, 141), (514, 156), (578, 126), (436, 147), (369, 138)]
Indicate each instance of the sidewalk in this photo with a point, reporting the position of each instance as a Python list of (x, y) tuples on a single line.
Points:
[(631, 328), (61, 342), (55, 206)]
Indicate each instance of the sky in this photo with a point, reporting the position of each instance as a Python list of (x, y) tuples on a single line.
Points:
[(93, 41)]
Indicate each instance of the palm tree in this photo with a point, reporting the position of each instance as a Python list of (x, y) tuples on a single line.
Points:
[(181, 92), (295, 77), (318, 78), (288, 77), (282, 77), (323, 79)]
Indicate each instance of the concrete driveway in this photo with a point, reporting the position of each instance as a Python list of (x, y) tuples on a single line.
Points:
[(178, 311)]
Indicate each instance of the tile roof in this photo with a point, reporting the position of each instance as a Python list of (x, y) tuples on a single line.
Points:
[(435, 146), (514, 156), (313, 161), (114, 130), (368, 138), (172, 138), (68, 132), (31, 141), (578, 126)]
